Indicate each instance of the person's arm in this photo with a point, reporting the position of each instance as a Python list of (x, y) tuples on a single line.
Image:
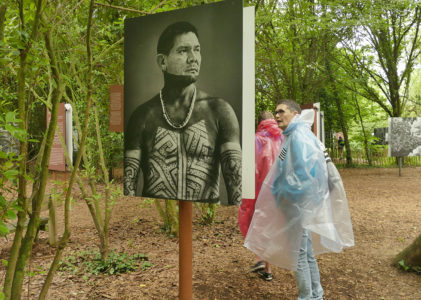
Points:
[(262, 160), (230, 151), (133, 179), (231, 170), (131, 171), (307, 179)]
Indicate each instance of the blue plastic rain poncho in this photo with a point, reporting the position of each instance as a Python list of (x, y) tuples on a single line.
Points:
[(303, 190)]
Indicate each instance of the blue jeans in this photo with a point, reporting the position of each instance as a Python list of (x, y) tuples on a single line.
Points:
[(307, 274)]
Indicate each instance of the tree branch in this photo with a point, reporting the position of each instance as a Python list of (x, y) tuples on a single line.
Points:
[(131, 9)]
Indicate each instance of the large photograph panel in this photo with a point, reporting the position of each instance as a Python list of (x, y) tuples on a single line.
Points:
[(404, 137), (183, 93)]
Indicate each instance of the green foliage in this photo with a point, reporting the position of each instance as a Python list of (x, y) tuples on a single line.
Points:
[(146, 202), (293, 40), (146, 265), (4, 263), (58, 190), (38, 270), (91, 262), (169, 216), (9, 122), (9, 170), (113, 153), (207, 212), (406, 268), (413, 106), (289, 52)]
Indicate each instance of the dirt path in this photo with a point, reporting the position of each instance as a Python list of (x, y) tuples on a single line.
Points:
[(385, 210)]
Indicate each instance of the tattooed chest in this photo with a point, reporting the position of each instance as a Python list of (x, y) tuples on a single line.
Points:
[(193, 143), (183, 164)]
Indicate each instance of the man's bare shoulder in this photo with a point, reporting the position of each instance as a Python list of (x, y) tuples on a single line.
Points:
[(215, 103), (147, 109)]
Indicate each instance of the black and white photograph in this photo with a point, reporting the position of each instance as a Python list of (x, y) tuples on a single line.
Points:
[(404, 137), (183, 103), (380, 134)]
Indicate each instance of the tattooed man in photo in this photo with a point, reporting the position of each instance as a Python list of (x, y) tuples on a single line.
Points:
[(177, 142)]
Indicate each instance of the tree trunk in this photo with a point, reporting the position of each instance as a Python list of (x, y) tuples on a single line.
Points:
[(91, 201), (171, 207), (411, 255), (104, 248), (52, 224), (340, 112), (64, 240), (28, 241), (207, 211), (367, 152), (15, 262), (3, 9), (22, 200), (169, 216)]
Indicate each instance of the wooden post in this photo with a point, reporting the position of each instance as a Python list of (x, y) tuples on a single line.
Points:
[(186, 251), (52, 226), (400, 166)]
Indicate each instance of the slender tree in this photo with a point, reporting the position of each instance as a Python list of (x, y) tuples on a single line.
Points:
[(367, 151), (289, 51), (16, 262), (384, 46), (64, 240), (340, 112), (3, 9)]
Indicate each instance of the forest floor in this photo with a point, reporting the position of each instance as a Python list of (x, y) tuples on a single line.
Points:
[(385, 211)]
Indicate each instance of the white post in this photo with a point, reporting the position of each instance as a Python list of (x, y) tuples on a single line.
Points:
[(248, 103), (69, 130)]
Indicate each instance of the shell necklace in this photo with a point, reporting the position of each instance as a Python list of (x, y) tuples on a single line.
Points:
[(167, 117)]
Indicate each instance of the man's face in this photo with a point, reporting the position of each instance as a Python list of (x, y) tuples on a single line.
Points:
[(284, 116), (184, 57)]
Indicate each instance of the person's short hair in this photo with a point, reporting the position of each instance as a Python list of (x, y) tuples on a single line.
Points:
[(167, 37), (291, 104), (264, 115)]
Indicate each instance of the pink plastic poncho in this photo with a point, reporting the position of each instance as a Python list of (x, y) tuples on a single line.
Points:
[(303, 190), (268, 140)]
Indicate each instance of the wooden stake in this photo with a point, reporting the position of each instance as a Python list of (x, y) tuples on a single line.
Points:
[(52, 226), (186, 250), (400, 166)]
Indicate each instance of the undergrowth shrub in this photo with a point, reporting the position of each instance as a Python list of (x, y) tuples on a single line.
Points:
[(90, 262)]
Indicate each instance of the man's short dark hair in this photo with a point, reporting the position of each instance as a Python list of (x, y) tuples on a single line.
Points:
[(166, 40), (291, 104), (264, 115)]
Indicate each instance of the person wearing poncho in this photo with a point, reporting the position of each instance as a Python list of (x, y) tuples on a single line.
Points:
[(301, 210), (268, 140)]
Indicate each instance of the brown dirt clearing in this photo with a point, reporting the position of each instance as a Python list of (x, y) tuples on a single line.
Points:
[(385, 211)]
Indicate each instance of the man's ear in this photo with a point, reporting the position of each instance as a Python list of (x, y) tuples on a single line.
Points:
[(161, 59)]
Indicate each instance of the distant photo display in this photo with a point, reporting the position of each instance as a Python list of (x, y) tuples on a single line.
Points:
[(183, 103), (404, 137)]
